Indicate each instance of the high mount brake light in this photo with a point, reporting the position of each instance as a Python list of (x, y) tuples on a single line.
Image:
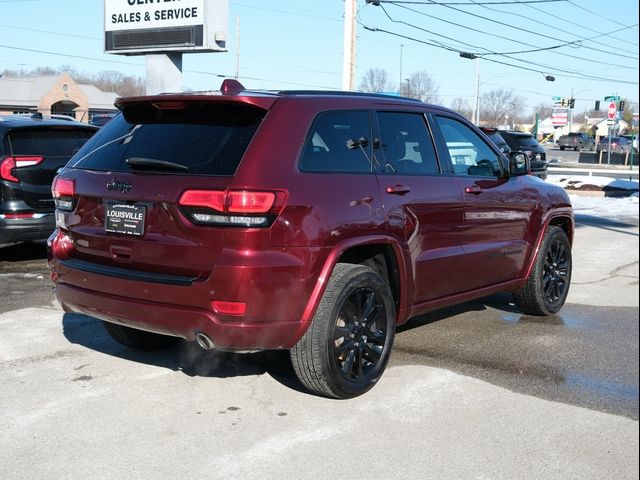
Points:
[(242, 208), (9, 163), (64, 192)]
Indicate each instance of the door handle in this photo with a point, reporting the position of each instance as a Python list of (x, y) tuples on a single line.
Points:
[(398, 189), (476, 190)]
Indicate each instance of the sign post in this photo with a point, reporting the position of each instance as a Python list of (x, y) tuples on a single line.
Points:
[(611, 119)]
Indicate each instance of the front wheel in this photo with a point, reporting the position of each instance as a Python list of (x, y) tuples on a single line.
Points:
[(561, 148), (547, 287), (347, 346)]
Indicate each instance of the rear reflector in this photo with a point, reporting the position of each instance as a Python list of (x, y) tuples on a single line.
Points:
[(10, 163), (229, 308)]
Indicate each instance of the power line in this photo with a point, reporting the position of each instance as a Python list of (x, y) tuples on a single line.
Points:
[(597, 14), (218, 75), (498, 2), (565, 21), (512, 40), (576, 75)]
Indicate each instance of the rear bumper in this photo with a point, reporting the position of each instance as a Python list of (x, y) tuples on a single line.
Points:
[(178, 321), (26, 229)]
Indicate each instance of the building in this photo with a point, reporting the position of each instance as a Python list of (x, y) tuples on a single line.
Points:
[(53, 94)]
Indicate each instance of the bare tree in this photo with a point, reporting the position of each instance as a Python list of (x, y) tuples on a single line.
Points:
[(462, 106), (499, 104), (108, 81), (375, 80), (421, 86), (544, 110)]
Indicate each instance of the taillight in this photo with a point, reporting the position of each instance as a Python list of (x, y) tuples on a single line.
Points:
[(241, 208), (64, 192), (10, 163)]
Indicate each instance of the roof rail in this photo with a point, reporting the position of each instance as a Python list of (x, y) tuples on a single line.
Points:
[(347, 94)]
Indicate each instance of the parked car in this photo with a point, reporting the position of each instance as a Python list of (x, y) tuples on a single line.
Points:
[(633, 140), (315, 222), (496, 138), (618, 145), (577, 141), (31, 151), (524, 142), (101, 119)]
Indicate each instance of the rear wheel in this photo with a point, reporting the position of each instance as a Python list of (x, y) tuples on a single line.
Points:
[(346, 348), (547, 287), (139, 339), (561, 148)]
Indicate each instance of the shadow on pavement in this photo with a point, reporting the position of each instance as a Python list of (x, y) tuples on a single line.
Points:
[(583, 220), (24, 251), (186, 357)]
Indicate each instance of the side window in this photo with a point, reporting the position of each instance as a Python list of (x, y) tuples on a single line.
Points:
[(338, 142), (470, 155), (406, 144)]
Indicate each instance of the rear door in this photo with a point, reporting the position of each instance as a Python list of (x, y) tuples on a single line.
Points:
[(497, 209), (423, 205), (130, 176), (50, 148)]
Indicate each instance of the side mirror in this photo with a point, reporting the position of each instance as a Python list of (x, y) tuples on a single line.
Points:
[(519, 164)]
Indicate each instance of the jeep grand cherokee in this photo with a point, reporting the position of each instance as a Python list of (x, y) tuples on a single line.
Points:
[(309, 221)]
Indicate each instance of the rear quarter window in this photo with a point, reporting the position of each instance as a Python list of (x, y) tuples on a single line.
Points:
[(208, 139)]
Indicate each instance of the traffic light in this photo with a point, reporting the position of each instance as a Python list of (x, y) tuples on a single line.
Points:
[(597, 106), (621, 107), (563, 102), (572, 103)]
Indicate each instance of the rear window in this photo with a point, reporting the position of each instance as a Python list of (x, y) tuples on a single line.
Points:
[(50, 142), (207, 140), (521, 141)]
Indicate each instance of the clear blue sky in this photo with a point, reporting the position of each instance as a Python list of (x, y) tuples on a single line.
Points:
[(298, 44)]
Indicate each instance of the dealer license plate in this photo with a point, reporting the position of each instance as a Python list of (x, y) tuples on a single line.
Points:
[(125, 218)]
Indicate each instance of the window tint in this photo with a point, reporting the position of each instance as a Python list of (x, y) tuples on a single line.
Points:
[(470, 155), (209, 140), (521, 141), (50, 142), (338, 142), (406, 144)]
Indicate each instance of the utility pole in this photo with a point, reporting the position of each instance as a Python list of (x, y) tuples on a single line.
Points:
[(475, 118), (349, 53), (401, 80), (237, 46)]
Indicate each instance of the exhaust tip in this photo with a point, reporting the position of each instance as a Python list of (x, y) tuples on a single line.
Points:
[(204, 341)]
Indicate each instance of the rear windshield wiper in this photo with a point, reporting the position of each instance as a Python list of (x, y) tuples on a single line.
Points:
[(136, 162)]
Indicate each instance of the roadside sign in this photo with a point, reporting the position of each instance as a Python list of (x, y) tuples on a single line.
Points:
[(611, 111), (560, 117), (612, 98), (556, 98)]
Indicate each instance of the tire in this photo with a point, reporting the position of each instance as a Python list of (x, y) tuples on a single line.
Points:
[(346, 348), (139, 339), (546, 289), (576, 149), (561, 148)]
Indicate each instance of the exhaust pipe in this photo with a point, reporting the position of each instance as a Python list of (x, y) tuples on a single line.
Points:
[(204, 341)]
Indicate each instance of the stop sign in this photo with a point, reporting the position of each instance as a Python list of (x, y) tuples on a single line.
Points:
[(611, 111)]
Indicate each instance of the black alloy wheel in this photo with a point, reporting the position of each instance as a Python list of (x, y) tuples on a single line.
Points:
[(359, 335), (555, 272), (345, 350)]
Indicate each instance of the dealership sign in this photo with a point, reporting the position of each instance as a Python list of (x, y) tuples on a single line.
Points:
[(146, 26), (560, 117)]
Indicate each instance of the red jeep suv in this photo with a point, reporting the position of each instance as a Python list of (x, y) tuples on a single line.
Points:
[(315, 222)]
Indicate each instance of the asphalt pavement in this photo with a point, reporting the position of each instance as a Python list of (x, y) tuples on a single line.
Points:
[(474, 391)]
